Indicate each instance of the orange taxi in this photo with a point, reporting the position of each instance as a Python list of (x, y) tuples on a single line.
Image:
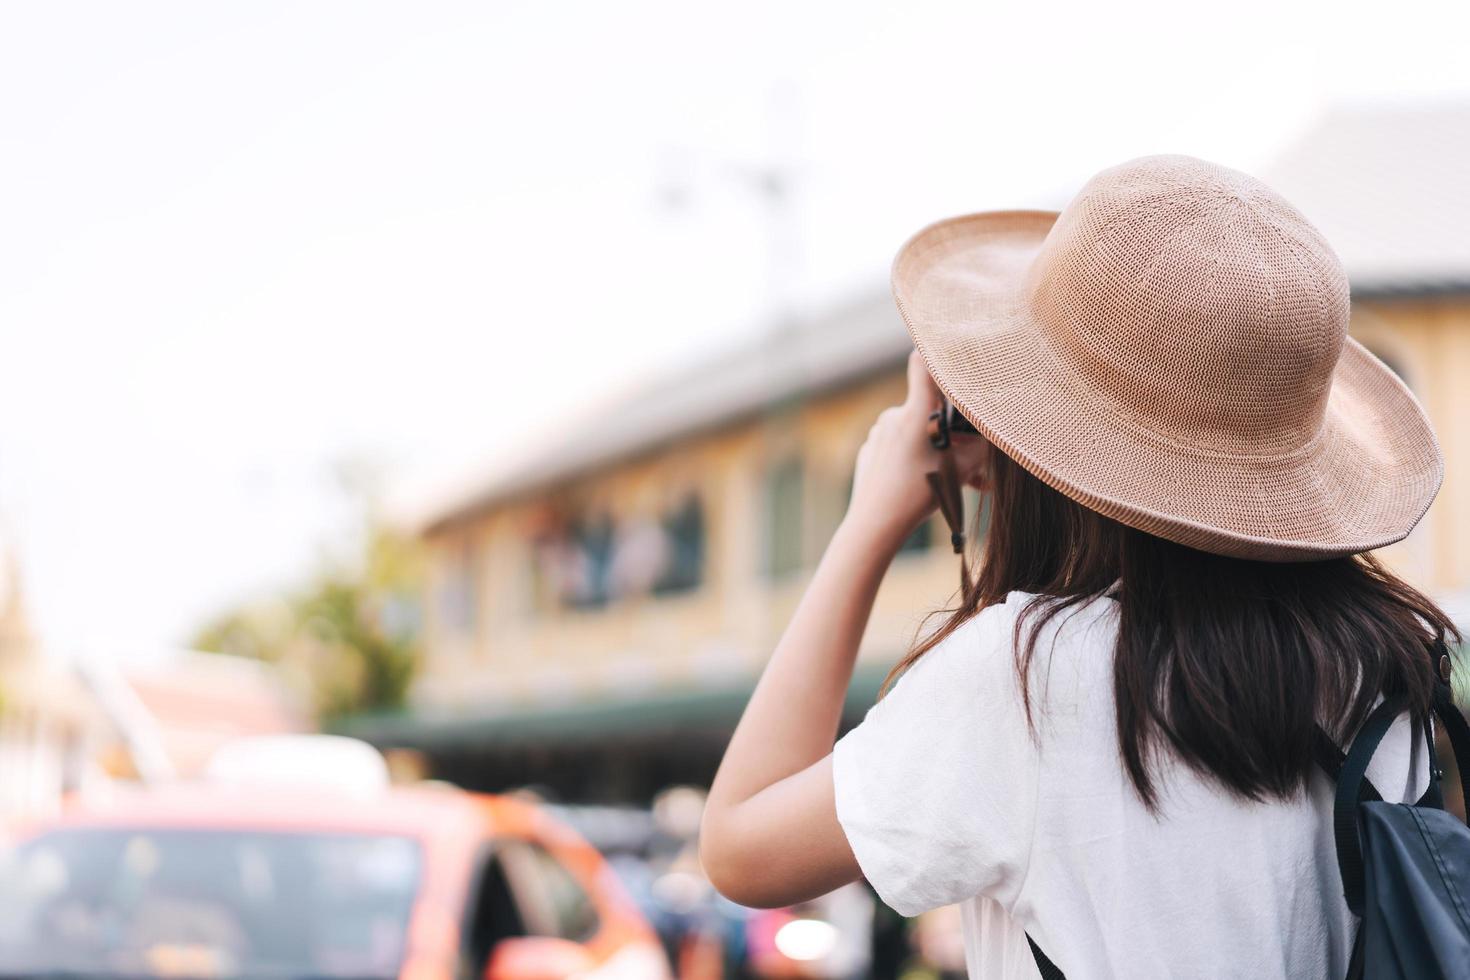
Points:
[(420, 883)]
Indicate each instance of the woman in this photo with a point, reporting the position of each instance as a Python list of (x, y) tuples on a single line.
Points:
[(1108, 746)]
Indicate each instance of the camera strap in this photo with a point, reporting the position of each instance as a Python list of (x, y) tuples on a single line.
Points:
[(945, 482)]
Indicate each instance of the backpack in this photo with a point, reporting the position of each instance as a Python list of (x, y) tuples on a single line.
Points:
[(1405, 866)]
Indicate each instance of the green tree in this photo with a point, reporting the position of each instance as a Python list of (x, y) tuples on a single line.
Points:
[(359, 629), (350, 632)]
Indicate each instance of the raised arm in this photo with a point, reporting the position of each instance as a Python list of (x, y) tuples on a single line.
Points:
[(770, 835)]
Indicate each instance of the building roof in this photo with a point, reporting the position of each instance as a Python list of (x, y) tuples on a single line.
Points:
[(783, 365), (1386, 185)]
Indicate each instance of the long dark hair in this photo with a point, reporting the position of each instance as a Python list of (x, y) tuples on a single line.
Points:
[(1228, 663)]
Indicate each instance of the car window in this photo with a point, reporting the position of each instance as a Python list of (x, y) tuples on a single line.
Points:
[(145, 901), (493, 915), (552, 902)]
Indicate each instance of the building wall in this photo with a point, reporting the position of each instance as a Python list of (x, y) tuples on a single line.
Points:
[(493, 637), (519, 648), (1427, 341)]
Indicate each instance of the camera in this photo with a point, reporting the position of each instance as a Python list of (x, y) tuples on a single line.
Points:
[(945, 421)]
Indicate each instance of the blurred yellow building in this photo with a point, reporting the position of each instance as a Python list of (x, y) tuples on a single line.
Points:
[(615, 599), (597, 617), (1387, 186)]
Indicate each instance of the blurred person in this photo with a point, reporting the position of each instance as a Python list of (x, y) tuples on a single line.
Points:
[(1108, 749)]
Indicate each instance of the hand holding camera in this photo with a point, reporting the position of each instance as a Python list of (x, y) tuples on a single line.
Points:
[(892, 487)]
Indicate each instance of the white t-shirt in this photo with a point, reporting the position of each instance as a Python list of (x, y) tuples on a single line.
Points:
[(946, 797)]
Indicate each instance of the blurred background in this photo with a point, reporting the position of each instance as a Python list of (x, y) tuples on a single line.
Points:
[(417, 422)]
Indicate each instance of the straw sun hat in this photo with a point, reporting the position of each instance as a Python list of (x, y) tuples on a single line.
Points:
[(1171, 351)]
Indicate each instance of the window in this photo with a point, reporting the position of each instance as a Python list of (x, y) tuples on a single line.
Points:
[(591, 542), (594, 559), (549, 900), (784, 552), (493, 915), (84, 901), (683, 529), (459, 591)]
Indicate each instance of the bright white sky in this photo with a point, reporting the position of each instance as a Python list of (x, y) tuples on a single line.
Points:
[(239, 242)]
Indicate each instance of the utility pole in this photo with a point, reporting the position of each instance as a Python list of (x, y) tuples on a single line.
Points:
[(773, 182)]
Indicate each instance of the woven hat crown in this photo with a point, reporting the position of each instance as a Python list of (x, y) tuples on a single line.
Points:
[(1171, 352), (1197, 302)]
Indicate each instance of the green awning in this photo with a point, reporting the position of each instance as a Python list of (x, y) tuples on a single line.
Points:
[(672, 713)]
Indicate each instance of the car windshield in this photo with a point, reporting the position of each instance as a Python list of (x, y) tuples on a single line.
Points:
[(168, 902)]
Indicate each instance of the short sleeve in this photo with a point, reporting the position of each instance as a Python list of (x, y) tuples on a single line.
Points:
[(936, 787)]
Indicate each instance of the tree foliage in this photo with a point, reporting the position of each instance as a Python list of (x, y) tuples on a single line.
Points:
[(350, 633)]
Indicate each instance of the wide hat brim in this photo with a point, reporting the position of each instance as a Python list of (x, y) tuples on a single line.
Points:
[(1363, 482)]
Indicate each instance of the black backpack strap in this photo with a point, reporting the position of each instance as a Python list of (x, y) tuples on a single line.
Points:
[(1330, 758), (1048, 969), (1457, 731), (1350, 787)]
